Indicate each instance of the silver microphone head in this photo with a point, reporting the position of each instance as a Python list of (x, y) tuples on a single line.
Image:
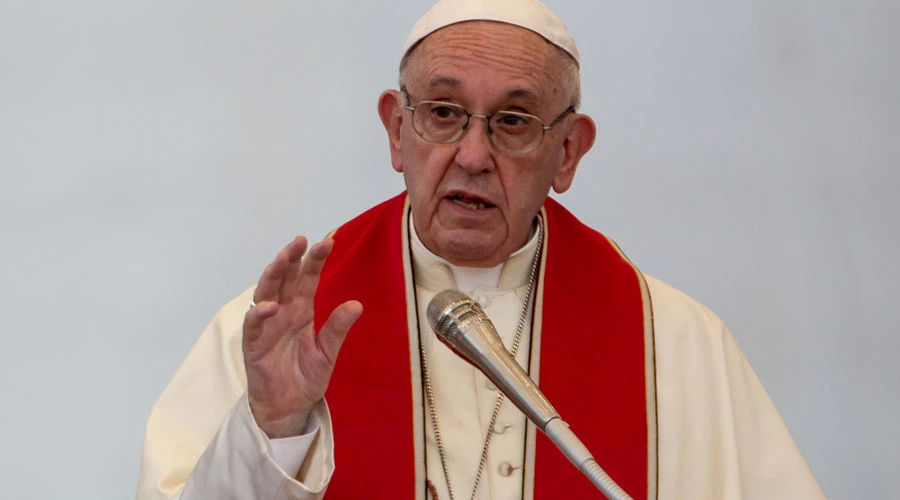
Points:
[(462, 325), (450, 311)]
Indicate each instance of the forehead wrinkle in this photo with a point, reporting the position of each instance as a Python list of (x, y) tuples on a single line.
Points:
[(508, 56), (523, 55)]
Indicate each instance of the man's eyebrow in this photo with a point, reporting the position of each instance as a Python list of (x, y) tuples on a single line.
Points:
[(523, 94), (440, 81)]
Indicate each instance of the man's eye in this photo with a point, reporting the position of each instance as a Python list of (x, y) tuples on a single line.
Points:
[(512, 121), (444, 112)]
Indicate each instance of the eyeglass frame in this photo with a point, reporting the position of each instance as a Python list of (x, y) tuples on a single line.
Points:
[(490, 131)]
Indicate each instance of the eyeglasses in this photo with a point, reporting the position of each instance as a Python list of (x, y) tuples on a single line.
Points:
[(512, 132)]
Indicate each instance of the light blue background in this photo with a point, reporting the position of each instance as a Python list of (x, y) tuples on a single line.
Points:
[(155, 155)]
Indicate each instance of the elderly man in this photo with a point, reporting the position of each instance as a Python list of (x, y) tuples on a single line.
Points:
[(484, 124)]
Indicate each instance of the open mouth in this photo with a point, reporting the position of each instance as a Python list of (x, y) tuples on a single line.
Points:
[(470, 202)]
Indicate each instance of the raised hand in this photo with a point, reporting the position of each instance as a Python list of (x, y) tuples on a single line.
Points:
[(288, 365)]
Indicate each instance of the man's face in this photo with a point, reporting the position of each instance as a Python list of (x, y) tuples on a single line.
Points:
[(473, 204)]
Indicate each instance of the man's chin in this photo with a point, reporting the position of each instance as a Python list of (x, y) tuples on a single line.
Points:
[(471, 250)]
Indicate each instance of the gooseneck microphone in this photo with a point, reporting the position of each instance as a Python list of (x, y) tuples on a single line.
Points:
[(462, 325)]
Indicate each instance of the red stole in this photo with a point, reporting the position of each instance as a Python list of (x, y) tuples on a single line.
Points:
[(592, 361)]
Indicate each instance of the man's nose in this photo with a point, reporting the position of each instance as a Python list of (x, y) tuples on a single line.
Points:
[(475, 153)]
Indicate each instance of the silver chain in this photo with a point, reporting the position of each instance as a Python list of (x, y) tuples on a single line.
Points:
[(429, 394)]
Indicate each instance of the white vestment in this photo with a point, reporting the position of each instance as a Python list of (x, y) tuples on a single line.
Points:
[(719, 435)]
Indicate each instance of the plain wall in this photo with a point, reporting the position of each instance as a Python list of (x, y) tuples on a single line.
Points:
[(154, 156)]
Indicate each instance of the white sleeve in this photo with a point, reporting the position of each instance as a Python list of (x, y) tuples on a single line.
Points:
[(201, 440), (290, 453), (239, 464)]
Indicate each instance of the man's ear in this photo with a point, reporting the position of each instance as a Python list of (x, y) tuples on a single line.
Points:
[(578, 142), (390, 109)]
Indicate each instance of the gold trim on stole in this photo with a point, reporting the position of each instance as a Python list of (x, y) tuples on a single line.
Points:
[(534, 366), (412, 328), (649, 378)]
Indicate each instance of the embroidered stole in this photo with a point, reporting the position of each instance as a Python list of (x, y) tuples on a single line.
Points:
[(595, 345)]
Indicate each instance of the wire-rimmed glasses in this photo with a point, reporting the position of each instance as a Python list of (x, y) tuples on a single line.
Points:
[(512, 132)]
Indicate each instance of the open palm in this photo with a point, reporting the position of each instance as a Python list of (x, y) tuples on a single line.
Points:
[(288, 365)]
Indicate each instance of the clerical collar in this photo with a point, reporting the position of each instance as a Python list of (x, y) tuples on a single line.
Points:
[(436, 273)]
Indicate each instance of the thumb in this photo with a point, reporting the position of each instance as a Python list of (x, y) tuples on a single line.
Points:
[(334, 331)]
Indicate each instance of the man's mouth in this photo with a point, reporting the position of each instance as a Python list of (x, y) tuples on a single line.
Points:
[(470, 202)]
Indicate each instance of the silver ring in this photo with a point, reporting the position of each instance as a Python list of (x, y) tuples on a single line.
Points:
[(252, 304)]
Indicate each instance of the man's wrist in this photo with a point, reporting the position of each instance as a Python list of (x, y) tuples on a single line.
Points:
[(291, 425)]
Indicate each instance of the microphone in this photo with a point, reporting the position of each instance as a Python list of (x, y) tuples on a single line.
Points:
[(462, 325)]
